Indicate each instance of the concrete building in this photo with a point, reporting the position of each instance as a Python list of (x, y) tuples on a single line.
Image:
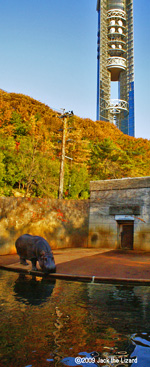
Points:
[(115, 63), (120, 214)]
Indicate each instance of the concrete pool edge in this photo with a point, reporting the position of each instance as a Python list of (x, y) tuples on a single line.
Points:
[(79, 278)]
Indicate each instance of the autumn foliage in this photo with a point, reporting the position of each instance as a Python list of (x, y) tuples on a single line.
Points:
[(30, 151)]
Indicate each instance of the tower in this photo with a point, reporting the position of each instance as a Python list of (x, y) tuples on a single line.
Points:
[(115, 63)]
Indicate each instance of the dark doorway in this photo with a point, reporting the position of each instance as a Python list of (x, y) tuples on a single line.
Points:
[(126, 231)]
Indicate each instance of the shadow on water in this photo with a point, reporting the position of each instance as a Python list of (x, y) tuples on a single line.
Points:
[(33, 292), (123, 304)]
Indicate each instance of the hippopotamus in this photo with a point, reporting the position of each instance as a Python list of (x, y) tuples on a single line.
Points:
[(35, 248)]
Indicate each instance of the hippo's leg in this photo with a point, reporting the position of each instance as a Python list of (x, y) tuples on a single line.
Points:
[(34, 264), (23, 261)]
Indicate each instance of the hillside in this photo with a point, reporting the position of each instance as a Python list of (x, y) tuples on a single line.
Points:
[(30, 151)]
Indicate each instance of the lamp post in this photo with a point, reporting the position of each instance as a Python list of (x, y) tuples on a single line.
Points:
[(61, 178)]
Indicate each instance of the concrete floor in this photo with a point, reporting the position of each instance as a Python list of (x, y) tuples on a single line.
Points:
[(91, 265)]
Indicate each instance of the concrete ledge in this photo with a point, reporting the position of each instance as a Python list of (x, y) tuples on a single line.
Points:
[(78, 278)]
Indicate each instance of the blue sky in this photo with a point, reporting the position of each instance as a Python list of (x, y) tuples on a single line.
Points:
[(48, 51)]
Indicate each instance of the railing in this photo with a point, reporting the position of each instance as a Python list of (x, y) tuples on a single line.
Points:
[(114, 13), (116, 106), (116, 62)]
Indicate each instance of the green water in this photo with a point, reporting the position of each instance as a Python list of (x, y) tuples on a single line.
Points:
[(50, 324)]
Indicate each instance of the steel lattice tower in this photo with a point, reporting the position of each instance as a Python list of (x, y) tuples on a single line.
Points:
[(115, 63)]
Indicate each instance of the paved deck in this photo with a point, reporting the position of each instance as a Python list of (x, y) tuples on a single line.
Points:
[(96, 265)]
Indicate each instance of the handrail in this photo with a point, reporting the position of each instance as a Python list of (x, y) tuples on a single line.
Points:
[(115, 106)]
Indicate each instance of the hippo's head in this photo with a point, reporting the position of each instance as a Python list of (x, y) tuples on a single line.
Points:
[(46, 262)]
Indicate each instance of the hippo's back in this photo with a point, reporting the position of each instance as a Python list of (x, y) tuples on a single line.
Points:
[(29, 246), (25, 246)]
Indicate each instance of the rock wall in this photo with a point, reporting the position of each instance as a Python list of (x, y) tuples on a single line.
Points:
[(122, 197), (64, 223)]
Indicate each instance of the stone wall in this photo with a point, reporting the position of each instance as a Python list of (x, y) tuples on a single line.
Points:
[(64, 223), (80, 223), (122, 197)]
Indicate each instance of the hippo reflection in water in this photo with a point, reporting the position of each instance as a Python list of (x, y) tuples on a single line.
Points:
[(32, 291), (35, 248)]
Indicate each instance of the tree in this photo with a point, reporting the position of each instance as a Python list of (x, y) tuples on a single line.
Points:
[(109, 161), (78, 185)]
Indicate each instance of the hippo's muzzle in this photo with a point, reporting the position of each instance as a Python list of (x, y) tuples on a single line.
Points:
[(47, 264)]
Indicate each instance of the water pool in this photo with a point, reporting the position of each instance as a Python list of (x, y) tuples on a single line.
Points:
[(50, 324)]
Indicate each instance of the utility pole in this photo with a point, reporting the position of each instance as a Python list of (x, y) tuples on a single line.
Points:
[(61, 178)]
